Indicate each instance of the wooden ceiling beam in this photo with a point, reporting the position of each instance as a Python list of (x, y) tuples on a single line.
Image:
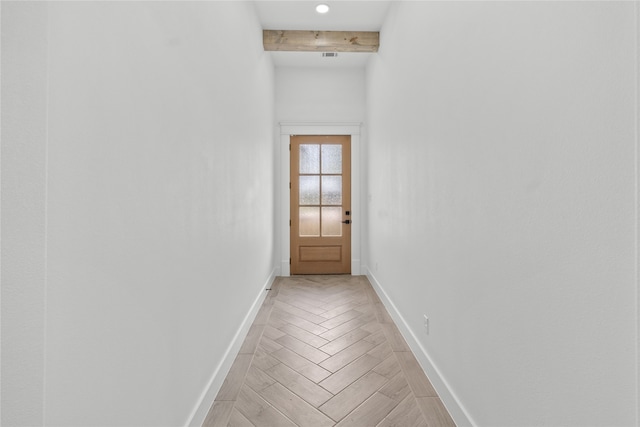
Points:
[(321, 41)]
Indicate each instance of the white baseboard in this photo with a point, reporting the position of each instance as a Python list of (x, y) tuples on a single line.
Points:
[(199, 413), (449, 399)]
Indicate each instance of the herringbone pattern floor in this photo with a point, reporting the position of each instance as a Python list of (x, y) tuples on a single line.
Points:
[(323, 351)]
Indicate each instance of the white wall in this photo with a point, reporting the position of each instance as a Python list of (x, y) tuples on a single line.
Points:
[(158, 193), (320, 94), (23, 211), (502, 180)]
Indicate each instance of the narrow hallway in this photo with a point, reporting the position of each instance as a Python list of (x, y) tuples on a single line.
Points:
[(323, 351), (146, 205)]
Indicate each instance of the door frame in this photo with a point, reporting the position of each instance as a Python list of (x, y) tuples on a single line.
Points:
[(305, 128)]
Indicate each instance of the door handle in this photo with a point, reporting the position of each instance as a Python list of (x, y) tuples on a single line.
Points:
[(346, 222)]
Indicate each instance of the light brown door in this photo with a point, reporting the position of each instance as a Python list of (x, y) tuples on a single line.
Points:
[(321, 204)]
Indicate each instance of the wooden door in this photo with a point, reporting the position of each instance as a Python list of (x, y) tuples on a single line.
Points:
[(321, 204)]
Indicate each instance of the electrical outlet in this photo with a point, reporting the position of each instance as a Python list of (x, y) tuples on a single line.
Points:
[(426, 324)]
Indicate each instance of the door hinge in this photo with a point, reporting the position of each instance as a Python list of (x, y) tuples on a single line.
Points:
[(289, 261), (289, 223), (289, 147)]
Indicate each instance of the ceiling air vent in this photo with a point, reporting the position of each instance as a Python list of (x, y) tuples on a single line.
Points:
[(329, 54)]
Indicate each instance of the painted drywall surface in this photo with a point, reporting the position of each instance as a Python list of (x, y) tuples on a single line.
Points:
[(502, 183), (23, 211), (160, 203), (320, 95)]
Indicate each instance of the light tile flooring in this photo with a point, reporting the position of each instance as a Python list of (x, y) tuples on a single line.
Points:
[(323, 351)]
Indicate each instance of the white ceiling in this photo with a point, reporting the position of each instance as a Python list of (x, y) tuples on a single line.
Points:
[(345, 15)]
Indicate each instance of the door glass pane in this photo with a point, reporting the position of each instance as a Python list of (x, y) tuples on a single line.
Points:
[(309, 221), (331, 221), (331, 158), (331, 190), (309, 158), (310, 190)]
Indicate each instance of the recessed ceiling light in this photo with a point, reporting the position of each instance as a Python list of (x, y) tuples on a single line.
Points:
[(322, 8)]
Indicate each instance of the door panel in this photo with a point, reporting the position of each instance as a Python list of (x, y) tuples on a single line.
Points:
[(321, 204), (320, 253)]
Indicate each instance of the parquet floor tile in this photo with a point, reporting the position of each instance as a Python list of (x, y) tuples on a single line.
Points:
[(348, 326), (417, 380), (388, 368), (348, 355), (258, 411), (381, 351), (258, 379), (345, 341), (238, 420), (299, 384), (406, 414), (302, 335), (302, 348), (370, 413), (353, 396), (219, 413), (434, 412), (323, 351), (397, 388), (295, 408)]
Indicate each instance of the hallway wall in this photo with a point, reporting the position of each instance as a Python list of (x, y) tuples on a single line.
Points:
[(23, 195), (137, 155), (316, 96), (502, 164), (320, 95)]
